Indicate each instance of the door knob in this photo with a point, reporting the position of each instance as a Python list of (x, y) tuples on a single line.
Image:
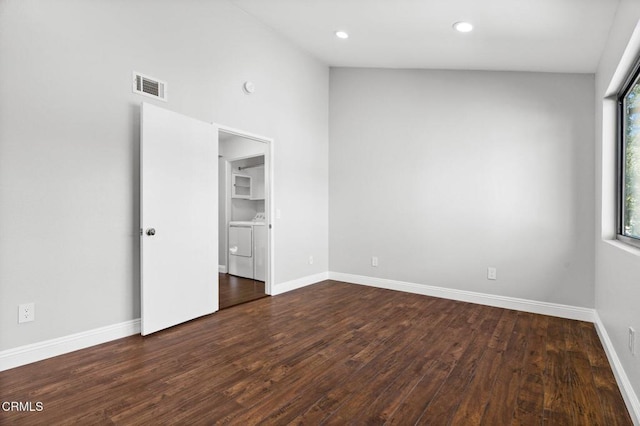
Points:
[(151, 232)]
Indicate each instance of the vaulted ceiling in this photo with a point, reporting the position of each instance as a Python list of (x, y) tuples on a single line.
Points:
[(511, 35)]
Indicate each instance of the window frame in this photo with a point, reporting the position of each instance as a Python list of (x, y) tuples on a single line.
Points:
[(632, 78)]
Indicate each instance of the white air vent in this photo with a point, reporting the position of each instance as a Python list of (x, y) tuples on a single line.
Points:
[(149, 86)]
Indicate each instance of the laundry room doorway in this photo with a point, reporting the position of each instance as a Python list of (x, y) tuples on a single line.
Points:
[(244, 217)]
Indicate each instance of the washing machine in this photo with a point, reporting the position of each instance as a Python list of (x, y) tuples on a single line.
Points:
[(248, 248)]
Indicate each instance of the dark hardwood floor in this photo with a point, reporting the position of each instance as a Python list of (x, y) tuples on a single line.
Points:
[(333, 353), (236, 290)]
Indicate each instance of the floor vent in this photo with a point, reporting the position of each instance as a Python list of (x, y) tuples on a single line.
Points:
[(149, 86)]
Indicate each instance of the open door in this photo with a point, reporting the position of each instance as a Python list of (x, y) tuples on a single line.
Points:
[(178, 218)]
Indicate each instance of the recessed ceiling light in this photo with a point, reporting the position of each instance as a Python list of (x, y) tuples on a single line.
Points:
[(463, 27), (342, 34)]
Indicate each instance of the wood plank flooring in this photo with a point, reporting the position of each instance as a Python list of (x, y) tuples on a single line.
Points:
[(236, 290), (334, 354)]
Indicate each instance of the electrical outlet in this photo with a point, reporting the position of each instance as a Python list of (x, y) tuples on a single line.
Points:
[(492, 273), (26, 312), (374, 261), (632, 341), (310, 260)]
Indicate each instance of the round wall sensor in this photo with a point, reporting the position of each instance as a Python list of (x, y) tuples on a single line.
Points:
[(463, 27), (248, 87)]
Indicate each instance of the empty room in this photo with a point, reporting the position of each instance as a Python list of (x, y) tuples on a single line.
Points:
[(320, 212)]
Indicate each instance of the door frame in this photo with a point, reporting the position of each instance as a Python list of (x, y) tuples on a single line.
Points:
[(269, 197)]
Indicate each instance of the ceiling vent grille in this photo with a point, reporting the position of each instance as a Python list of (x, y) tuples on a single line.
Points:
[(149, 86)]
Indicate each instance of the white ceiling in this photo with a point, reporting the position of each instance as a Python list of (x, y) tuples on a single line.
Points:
[(514, 35)]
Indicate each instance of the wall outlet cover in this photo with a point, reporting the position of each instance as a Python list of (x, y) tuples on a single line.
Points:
[(492, 273), (26, 312)]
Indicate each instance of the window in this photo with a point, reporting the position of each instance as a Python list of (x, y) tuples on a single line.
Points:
[(629, 160)]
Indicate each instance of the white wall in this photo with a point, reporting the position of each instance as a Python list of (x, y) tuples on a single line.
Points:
[(231, 147), (69, 144), (617, 272), (443, 173)]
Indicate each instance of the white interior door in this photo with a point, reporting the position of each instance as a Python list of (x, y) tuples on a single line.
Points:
[(178, 218)]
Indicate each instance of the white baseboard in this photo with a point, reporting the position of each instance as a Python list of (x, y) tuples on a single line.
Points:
[(298, 283), (49, 348), (544, 308), (629, 395), (222, 269)]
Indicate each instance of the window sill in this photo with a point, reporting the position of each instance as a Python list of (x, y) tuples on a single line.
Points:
[(624, 246)]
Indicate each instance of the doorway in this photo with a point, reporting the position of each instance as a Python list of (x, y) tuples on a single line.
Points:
[(244, 192)]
